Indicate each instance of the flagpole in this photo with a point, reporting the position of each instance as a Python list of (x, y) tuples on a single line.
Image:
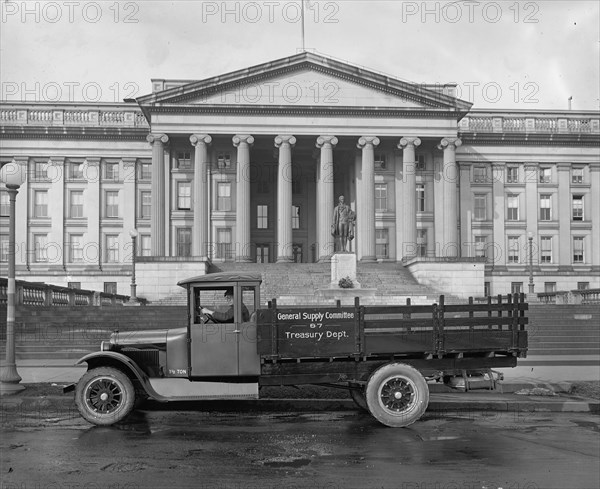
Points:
[(302, 15)]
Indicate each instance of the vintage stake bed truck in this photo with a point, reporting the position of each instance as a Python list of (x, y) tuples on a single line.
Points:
[(382, 354)]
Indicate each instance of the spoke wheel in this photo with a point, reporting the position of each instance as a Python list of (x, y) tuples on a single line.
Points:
[(104, 396), (397, 395)]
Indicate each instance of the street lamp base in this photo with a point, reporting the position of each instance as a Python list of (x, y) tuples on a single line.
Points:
[(10, 388)]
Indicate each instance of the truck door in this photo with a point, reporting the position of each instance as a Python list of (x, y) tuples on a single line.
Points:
[(213, 346), (225, 349)]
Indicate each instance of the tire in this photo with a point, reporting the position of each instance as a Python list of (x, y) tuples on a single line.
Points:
[(357, 393), (397, 395), (104, 396)]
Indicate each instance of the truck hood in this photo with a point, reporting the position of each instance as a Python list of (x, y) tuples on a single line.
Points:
[(141, 338)]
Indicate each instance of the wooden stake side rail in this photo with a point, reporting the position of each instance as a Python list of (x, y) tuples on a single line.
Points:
[(361, 332)]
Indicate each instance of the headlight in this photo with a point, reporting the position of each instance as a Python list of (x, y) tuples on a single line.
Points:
[(105, 346)]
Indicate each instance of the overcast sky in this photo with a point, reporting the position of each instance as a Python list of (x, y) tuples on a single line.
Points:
[(503, 55)]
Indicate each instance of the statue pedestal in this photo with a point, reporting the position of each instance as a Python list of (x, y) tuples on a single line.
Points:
[(343, 265)]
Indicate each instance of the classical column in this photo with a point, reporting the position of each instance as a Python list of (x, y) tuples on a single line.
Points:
[(325, 197), (157, 225), (451, 243), (201, 224), (21, 214), (285, 144), (366, 202), (409, 196), (242, 206)]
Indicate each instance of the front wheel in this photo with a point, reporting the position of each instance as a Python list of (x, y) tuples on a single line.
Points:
[(104, 396), (397, 395)]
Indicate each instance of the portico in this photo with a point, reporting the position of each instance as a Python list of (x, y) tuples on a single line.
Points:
[(274, 145)]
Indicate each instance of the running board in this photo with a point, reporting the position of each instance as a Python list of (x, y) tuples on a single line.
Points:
[(186, 390)]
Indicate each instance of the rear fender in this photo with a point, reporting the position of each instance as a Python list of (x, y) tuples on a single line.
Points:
[(118, 360)]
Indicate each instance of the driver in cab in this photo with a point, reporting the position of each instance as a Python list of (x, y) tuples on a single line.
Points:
[(228, 315)]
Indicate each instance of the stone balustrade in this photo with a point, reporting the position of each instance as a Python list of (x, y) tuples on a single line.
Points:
[(110, 115), (503, 122)]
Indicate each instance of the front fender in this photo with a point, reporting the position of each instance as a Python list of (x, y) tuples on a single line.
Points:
[(111, 359)]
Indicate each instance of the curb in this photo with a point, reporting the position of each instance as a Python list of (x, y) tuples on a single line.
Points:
[(61, 406)]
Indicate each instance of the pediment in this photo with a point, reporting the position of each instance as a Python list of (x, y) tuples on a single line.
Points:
[(305, 80)]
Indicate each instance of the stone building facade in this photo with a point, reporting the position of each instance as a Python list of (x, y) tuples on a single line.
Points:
[(248, 166)]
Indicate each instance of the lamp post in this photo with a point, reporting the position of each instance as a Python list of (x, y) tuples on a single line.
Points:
[(13, 177), (530, 238), (133, 297)]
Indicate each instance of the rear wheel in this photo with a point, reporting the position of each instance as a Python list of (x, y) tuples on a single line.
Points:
[(397, 395), (104, 396)]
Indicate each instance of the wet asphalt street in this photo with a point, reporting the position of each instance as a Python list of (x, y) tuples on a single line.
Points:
[(302, 450)]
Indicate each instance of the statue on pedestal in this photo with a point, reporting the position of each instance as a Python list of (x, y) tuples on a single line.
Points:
[(343, 224)]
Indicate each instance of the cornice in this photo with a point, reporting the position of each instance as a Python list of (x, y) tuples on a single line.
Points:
[(74, 133), (517, 139), (286, 110)]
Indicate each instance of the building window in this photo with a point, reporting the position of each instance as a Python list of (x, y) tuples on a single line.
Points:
[(112, 204), (111, 253), (40, 171), (295, 217), (76, 248), (578, 251), (184, 241), (296, 185), (40, 241), (111, 171), (420, 197), (549, 287), (74, 285), (513, 249), (487, 289), (578, 207), (145, 205), (224, 250), (76, 204), (110, 288), (76, 170), (516, 287), (583, 285), (262, 253), (223, 196), (479, 174), (420, 163), (40, 207), (264, 187), (145, 171), (545, 175), (480, 207), (481, 246), (3, 247), (223, 161), (184, 160), (382, 243), (546, 249), (513, 207), (184, 195), (145, 245), (381, 197), (421, 242), (577, 176), (262, 216), (545, 207), (380, 163), (512, 174), (4, 204)]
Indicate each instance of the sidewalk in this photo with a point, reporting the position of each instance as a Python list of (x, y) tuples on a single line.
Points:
[(441, 399)]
